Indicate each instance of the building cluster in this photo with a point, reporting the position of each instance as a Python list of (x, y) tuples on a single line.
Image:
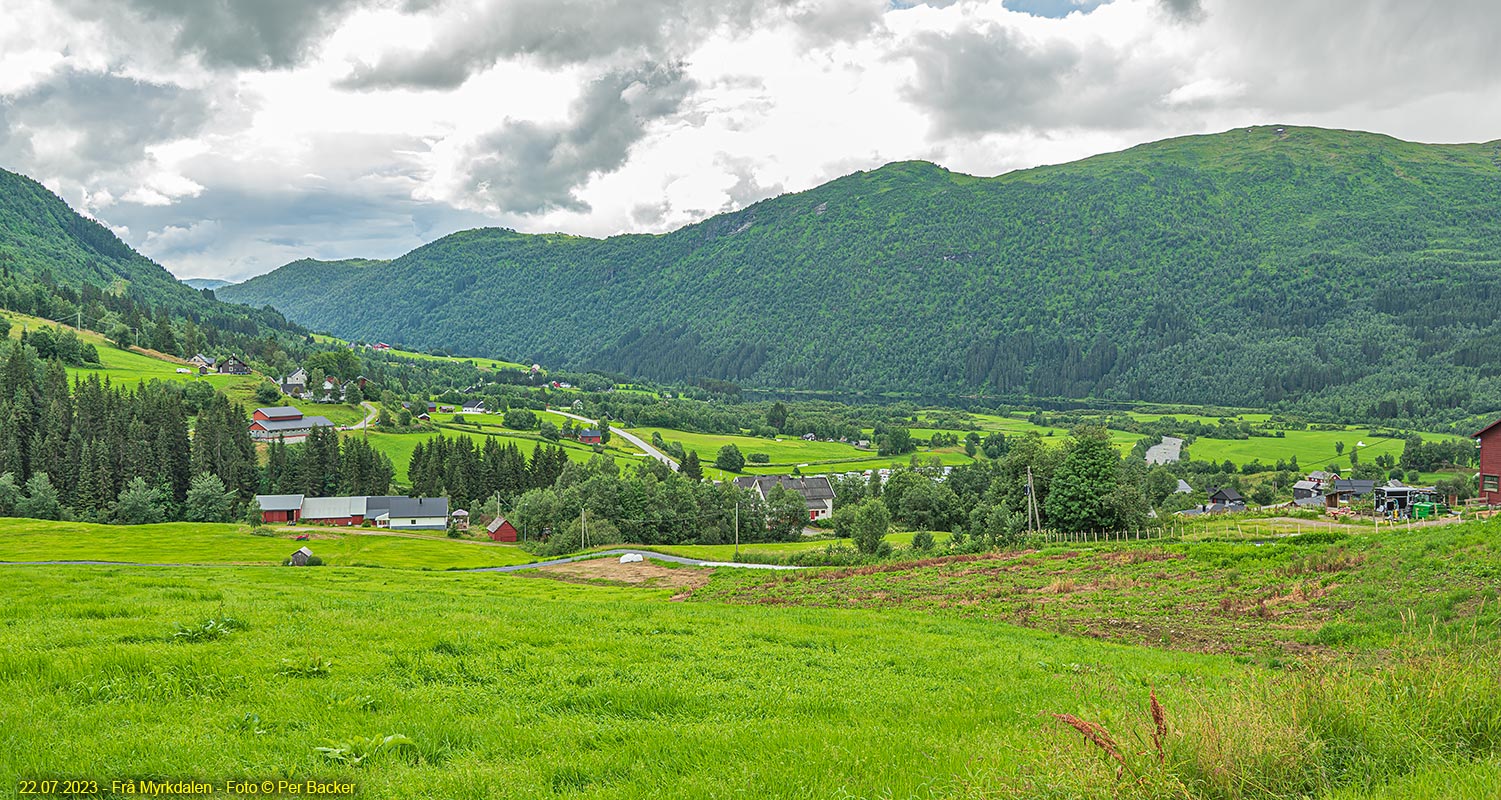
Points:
[(396, 513), (330, 390), (816, 490), (229, 366), (285, 423)]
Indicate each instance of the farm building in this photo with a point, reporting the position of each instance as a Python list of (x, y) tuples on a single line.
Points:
[(300, 558), (816, 490), (233, 366), (590, 436), (408, 513), (201, 360), (345, 511), (283, 422), (280, 507), (1489, 483), (501, 530)]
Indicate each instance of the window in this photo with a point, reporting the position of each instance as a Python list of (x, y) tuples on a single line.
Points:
[(1490, 483)]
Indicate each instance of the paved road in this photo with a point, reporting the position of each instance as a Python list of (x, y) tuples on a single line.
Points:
[(692, 562), (626, 435), (369, 418)]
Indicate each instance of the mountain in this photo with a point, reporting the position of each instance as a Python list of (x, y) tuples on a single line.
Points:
[(206, 283), (1324, 270), (59, 265)]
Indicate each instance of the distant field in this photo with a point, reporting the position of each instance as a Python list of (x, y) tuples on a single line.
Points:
[(813, 458), (482, 363), (199, 543), (129, 367), (399, 446)]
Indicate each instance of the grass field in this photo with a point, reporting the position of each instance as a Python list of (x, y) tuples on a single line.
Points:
[(726, 552), (197, 543), (829, 683), (492, 364), (129, 367), (399, 446)]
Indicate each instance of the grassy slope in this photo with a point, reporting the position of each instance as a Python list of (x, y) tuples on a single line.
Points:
[(198, 543), (399, 446)]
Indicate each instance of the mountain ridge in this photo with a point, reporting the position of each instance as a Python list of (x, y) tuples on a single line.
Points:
[(1256, 265)]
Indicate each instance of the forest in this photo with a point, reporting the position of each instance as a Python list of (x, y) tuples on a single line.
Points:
[(1340, 274)]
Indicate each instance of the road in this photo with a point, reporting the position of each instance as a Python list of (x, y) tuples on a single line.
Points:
[(369, 418), (626, 435), (692, 562)]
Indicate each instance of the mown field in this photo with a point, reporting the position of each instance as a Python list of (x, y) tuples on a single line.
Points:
[(457, 685), (479, 427)]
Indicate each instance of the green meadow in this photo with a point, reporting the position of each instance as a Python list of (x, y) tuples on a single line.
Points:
[(224, 544), (1335, 666)]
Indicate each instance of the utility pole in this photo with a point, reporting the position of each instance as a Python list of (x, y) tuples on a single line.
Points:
[(583, 529), (737, 530), (1031, 503)]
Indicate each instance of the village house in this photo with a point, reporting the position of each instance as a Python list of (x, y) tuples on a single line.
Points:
[(816, 490), (501, 530), (285, 423), (380, 347), (233, 366), (408, 513), (202, 362), (295, 384)]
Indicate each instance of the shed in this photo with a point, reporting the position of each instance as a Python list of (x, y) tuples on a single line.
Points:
[(501, 530), (300, 558)]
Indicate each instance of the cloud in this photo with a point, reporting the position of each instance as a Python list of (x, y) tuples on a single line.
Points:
[(529, 167), (77, 124), (256, 34), (472, 37)]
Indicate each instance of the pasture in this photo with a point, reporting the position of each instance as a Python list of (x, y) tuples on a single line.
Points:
[(924, 680)]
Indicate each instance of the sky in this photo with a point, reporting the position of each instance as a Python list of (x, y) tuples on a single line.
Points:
[(224, 138)]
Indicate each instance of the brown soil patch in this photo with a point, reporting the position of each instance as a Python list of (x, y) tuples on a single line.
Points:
[(636, 573)]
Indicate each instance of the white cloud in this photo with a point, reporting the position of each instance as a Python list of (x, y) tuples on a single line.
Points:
[(227, 139)]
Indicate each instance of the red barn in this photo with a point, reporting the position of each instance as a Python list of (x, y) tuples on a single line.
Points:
[(501, 530), (280, 507), (1489, 439), (590, 436)]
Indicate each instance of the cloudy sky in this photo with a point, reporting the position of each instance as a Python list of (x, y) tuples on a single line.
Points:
[(226, 137)]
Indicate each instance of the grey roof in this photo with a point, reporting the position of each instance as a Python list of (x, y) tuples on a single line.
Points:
[(279, 502), (306, 423), (279, 412), (1359, 488), (1183, 487), (815, 488), (1229, 495), (406, 506), (333, 507), (1305, 484)]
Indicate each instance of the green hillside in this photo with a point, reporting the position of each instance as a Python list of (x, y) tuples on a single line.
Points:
[(1345, 272)]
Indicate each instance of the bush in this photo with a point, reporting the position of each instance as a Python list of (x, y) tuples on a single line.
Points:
[(922, 541), (758, 458)]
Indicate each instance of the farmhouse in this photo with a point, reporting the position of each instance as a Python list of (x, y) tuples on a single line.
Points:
[(501, 530), (380, 347), (1489, 483), (233, 366), (816, 490), (408, 513), (283, 422), (280, 507), (202, 361)]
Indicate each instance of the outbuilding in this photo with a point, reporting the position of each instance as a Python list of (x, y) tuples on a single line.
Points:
[(280, 507), (501, 530)]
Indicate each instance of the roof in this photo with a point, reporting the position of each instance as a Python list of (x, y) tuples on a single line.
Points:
[(1358, 487), (304, 551), (1305, 484), (496, 523), (1230, 495), (279, 502), (815, 488), (274, 425), (279, 412), (589, 432), (333, 507), (406, 506), (1183, 487)]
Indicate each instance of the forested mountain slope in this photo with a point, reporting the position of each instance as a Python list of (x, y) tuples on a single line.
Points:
[(57, 264), (1344, 272)]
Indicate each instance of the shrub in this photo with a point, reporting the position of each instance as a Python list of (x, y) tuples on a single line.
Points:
[(758, 458), (922, 541)]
